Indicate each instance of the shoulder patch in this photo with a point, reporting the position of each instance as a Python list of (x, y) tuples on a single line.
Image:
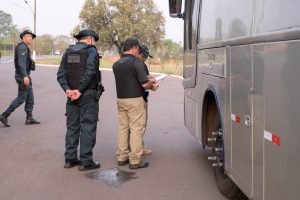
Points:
[(23, 52)]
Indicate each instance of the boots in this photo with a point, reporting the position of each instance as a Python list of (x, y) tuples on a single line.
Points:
[(30, 120), (3, 119)]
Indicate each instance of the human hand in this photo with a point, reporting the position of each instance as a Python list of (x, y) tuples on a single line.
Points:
[(26, 81), (155, 87), (69, 93), (76, 95), (152, 79)]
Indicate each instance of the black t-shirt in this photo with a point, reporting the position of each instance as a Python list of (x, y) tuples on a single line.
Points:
[(130, 74)]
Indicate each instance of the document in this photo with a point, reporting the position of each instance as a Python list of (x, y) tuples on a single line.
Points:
[(161, 77)]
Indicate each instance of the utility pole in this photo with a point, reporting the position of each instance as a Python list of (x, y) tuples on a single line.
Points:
[(34, 27)]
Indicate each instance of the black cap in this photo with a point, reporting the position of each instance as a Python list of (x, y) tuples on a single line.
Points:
[(27, 32), (85, 33), (145, 51), (131, 42)]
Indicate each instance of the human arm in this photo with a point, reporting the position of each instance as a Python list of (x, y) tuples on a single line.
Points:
[(62, 75), (92, 65), (22, 54)]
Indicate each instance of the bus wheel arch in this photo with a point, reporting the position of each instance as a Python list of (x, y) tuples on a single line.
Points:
[(212, 137)]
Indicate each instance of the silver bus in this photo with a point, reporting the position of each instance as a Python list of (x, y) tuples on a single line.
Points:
[(242, 92)]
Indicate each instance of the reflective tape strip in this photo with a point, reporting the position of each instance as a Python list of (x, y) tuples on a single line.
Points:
[(272, 137), (235, 118), (268, 136)]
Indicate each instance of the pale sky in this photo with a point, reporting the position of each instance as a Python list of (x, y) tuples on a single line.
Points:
[(61, 16)]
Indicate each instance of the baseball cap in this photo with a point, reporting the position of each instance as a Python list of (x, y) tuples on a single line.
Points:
[(145, 51)]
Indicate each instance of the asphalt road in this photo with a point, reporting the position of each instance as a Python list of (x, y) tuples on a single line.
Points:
[(32, 157)]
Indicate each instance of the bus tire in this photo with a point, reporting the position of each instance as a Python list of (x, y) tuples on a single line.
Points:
[(226, 186)]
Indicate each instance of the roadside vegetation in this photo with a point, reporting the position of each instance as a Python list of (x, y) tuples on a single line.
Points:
[(114, 20), (171, 66)]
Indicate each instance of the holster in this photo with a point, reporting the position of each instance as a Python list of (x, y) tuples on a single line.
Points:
[(99, 91), (32, 65)]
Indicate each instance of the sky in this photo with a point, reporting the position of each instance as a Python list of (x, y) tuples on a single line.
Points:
[(59, 17)]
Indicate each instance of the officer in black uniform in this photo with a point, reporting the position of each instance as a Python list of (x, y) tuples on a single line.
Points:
[(23, 64), (80, 78)]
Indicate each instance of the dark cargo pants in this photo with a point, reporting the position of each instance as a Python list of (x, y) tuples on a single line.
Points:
[(82, 117), (25, 94)]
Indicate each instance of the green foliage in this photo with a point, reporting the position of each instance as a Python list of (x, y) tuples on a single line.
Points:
[(171, 49), (116, 20), (45, 44), (5, 24), (62, 42)]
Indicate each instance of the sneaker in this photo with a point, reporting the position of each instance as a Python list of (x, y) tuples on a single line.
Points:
[(4, 120), (140, 165), (147, 152)]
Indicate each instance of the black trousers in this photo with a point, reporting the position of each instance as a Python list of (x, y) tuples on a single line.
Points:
[(25, 94), (82, 117)]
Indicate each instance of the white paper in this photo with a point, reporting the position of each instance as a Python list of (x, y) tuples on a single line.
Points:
[(161, 77)]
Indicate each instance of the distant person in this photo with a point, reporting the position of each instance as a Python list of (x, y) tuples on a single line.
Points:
[(144, 55), (80, 78), (23, 65), (131, 81)]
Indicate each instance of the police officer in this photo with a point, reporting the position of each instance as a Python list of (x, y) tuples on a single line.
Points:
[(131, 81), (80, 78), (23, 65)]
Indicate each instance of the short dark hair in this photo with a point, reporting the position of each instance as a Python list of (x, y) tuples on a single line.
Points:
[(129, 43)]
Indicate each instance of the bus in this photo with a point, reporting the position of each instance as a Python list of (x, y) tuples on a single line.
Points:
[(241, 92)]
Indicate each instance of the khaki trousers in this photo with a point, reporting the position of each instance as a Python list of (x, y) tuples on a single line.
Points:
[(132, 124)]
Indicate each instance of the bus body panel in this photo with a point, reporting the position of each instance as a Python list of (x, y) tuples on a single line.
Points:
[(258, 121), (247, 53), (241, 116), (281, 132)]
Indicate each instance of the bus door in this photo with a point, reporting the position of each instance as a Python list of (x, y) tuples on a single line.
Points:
[(241, 116), (190, 64)]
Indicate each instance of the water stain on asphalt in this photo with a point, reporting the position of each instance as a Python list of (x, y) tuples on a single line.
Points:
[(114, 177)]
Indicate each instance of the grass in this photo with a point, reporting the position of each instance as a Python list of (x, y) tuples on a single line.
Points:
[(106, 62), (49, 61)]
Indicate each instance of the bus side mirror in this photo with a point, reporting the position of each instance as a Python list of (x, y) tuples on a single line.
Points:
[(175, 8)]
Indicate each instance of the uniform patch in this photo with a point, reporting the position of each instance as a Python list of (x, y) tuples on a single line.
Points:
[(73, 58), (24, 52)]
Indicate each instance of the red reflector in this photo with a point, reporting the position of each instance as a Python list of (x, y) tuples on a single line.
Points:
[(238, 119), (275, 139)]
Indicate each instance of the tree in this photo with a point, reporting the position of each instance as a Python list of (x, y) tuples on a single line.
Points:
[(5, 24), (116, 20), (61, 42), (171, 48), (45, 44)]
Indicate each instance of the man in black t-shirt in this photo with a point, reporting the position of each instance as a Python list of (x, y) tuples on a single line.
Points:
[(131, 81)]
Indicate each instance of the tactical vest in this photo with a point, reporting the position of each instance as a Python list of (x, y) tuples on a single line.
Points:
[(28, 60), (75, 64)]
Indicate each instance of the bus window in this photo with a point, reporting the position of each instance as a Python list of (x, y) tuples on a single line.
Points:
[(188, 25)]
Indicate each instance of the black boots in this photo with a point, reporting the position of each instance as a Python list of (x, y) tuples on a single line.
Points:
[(3, 119), (30, 120)]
